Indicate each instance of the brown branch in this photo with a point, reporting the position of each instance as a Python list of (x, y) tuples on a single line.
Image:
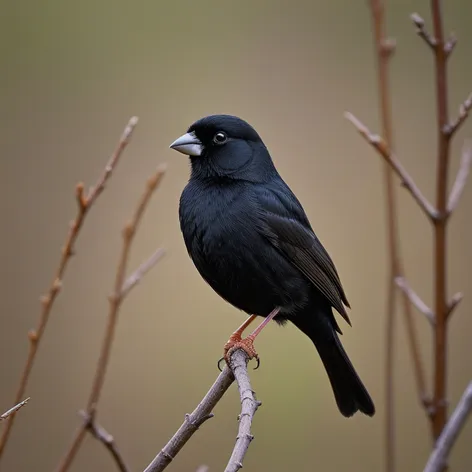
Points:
[(192, 422), (115, 301), (464, 110), (439, 417), (382, 148), (249, 406), (422, 32), (438, 458), (461, 179), (14, 409), (415, 299), (102, 435), (84, 203)]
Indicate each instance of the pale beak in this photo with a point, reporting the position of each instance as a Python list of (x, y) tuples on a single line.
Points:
[(188, 144)]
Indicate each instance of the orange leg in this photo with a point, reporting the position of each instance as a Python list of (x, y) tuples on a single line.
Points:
[(247, 344)]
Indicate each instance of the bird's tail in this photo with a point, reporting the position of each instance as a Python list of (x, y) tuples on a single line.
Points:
[(349, 391)]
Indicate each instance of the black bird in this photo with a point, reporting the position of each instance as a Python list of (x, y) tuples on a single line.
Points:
[(251, 240)]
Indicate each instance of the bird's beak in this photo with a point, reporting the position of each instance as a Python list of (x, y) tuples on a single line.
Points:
[(188, 144)]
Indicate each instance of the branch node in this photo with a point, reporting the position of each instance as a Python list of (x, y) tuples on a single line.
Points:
[(461, 178), (33, 336), (464, 109), (81, 198)]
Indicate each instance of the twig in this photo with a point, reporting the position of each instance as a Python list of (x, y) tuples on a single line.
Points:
[(84, 203), (381, 146), (438, 458), (192, 422), (249, 406), (415, 299), (422, 32), (115, 301), (455, 300), (450, 44), (464, 110), (102, 435), (13, 409), (461, 179)]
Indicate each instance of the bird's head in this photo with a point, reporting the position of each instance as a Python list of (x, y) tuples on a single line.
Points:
[(225, 146)]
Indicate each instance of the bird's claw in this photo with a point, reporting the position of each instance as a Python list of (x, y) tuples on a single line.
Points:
[(236, 342)]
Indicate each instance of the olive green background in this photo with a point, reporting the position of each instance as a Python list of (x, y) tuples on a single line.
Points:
[(72, 73)]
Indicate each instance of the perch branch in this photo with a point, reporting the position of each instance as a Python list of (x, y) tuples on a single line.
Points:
[(84, 203), (13, 409), (461, 180), (381, 146), (464, 110), (102, 435), (438, 458), (415, 299), (115, 301), (203, 412), (249, 406)]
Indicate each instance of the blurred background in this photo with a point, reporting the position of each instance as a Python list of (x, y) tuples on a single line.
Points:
[(72, 73)]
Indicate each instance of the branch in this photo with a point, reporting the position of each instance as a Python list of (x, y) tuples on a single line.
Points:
[(192, 421), (13, 409), (415, 298), (455, 300), (382, 148), (438, 458), (461, 179), (422, 32), (100, 433), (115, 301), (464, 110), (84, 203), (249, 406)]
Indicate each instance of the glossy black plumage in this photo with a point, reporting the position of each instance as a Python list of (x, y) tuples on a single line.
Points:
[(251, 240)]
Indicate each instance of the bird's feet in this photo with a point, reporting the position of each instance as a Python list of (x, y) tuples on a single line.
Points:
[(234, 342)]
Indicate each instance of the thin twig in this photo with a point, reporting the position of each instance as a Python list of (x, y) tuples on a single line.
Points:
[(102, 435), (192, 421), (249, 406), (115, 301), (415, 299), (450, 44), (381, 146), (421, 30), (438, 458), (455, 300), (13, 409), (461, 179), (464, 110), (84, 203)]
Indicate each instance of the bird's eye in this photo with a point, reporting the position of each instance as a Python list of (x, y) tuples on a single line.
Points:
[(220, 138)]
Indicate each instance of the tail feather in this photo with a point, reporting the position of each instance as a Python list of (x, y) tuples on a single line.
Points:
[(349, 391)]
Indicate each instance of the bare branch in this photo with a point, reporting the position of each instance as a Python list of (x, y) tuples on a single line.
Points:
[(249, 406), (455, 300), (141, 271), (464, 110), (461, 179), (414, 298), (438, 458), (102, 435), (84, 203), (381, 146), (422, 32), (13, 409), (192, 421), (115, 301)]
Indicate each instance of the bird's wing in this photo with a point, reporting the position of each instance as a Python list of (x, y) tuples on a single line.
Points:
[(286, 226)]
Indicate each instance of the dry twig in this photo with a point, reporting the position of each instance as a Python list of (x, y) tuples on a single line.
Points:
[(115, 300), (438, 458), (102, 435), (13, 409), (461, 179), (382, 147), (84, 203), (464, 110), (249, 406), (415, 299), (203, 412)]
